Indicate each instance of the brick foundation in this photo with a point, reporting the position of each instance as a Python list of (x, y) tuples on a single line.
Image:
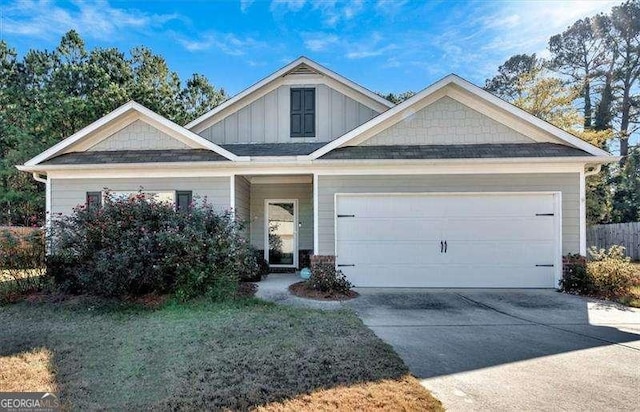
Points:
[(571, 260), (322, 260)]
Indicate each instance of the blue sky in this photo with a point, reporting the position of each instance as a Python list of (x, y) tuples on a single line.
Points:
[(385, 45)]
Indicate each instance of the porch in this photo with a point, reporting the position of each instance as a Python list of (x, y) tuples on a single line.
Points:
[(278, 210)]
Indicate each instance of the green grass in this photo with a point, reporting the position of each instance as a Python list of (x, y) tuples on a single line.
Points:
[(196, 356)]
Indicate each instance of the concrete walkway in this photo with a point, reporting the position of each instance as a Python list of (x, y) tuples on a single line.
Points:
[(275, 288)]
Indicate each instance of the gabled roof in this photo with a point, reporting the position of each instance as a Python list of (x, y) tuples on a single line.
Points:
[(405, 108), (300, 65), (142, 113)]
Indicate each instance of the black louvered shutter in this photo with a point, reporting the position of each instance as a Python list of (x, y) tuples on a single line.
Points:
[(303, 112), (183, 200)]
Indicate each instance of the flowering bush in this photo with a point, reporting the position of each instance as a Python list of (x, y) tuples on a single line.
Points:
[(136, 245), (325, 278)]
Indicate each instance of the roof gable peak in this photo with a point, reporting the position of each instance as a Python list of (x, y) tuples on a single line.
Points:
[(300, 66)]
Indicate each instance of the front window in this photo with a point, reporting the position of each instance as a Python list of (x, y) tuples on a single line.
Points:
[(182, 199)]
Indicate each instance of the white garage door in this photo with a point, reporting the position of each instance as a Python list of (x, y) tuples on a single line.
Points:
[(449, 240)]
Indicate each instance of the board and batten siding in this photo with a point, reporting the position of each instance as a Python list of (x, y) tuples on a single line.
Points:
[(567, 183), (267, 120), (69, 193), (243, 203), (446, 121), (301, 191), (138, 136)]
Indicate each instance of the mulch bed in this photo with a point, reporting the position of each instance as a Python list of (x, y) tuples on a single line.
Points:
[(301, 290), (247, 289)]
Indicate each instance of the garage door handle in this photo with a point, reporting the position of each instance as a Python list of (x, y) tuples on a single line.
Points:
[(445, 246), (343, 265), (441, 246)]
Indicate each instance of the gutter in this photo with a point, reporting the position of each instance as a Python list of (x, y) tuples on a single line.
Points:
[(301, 161), (37, 177), (594, 170)]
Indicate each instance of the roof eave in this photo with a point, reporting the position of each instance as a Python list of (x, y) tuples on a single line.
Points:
[(303, 160)]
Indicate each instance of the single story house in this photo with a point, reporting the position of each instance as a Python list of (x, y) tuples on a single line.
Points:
[(454, 187)]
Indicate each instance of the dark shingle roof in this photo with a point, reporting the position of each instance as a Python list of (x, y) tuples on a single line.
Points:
[(273, 149), (136, 156), (471, 151)]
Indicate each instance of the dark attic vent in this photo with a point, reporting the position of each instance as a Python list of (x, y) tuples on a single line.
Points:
[(303, 69)]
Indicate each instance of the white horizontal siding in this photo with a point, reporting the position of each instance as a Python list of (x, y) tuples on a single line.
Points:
[(266, 120), (69, 193), (567, 183), (447, 121), (301, 191), (138, 136)]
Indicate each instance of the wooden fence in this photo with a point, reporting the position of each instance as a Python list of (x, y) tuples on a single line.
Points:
[(625, 234)]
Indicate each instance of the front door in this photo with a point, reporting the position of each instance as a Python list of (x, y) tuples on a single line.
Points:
[(281, 233)]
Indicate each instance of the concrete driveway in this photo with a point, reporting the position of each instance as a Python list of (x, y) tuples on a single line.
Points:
[(511, 349)]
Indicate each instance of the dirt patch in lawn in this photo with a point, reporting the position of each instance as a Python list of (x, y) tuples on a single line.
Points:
[(300, 289), (29, 371), (403, 394)]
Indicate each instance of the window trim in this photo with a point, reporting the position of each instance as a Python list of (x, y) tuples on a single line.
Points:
[(89, 195), (179, 193)]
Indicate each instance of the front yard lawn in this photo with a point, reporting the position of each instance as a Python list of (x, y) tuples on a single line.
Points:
[(237, 355)]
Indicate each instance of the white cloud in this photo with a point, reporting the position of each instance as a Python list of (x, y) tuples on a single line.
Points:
[(332, 12), (525, 27), (245, 4), (99, 20), (374, 46), (390, 7), (228, 43), (287, 5), (317, 42)]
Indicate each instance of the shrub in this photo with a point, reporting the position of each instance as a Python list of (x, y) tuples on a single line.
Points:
[(22, 262), (261, 272), (608, 274), (575, 278), (136, 245), (325, 278), (610, 271)]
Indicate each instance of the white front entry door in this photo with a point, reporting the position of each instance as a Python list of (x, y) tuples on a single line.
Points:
[(281, 232), (449, 240)]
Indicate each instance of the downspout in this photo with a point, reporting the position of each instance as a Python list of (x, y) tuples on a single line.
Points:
[(590, 171), (47, 198)]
